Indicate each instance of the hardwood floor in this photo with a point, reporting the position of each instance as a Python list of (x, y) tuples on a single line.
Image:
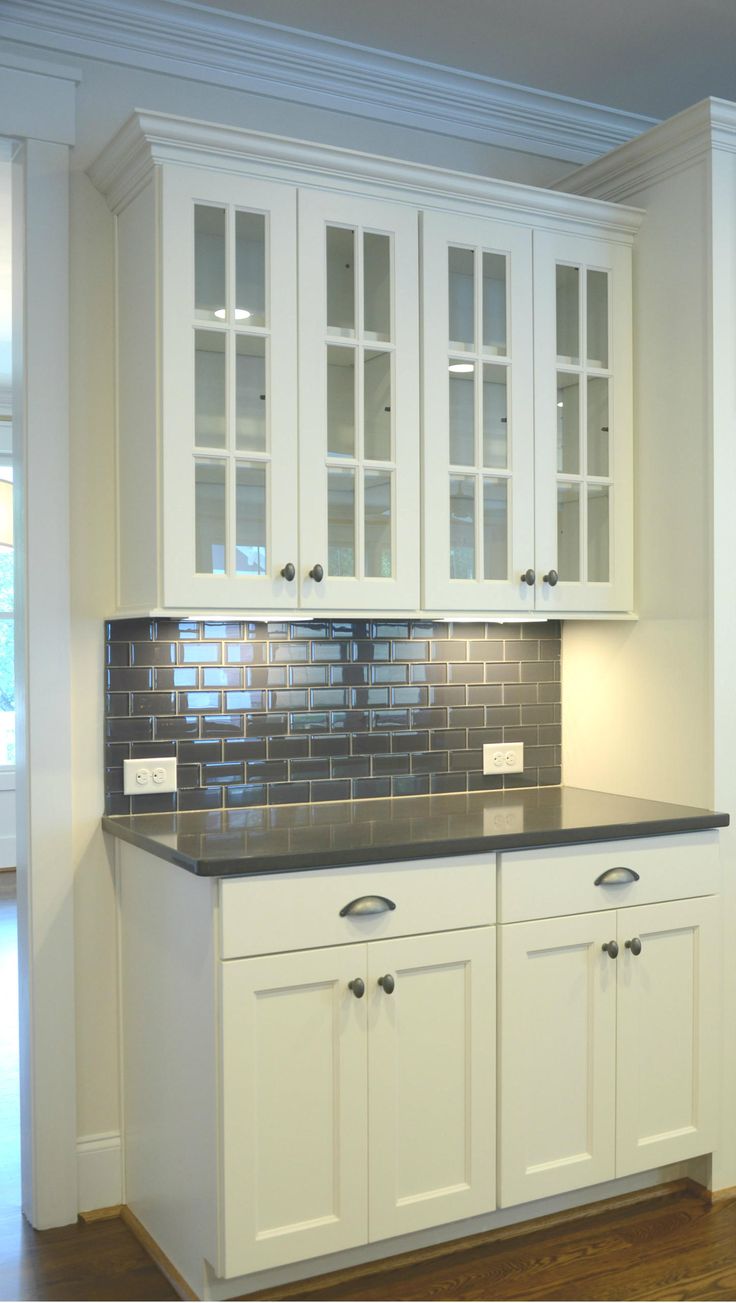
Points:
[(671, 1247)]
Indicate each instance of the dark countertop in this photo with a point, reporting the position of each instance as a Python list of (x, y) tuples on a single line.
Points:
[(268, 839)]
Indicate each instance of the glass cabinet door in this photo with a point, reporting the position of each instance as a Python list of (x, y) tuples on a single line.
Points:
[(583, 416), (478, 415), (358, 392), (229, 407)]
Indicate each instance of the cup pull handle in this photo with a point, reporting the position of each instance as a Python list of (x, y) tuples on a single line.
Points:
[(616, 877), (363, 905)]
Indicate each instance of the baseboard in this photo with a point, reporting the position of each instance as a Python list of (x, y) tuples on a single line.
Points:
[(100, 1172), (101, 1214), (175, 1279), (711, 1196)]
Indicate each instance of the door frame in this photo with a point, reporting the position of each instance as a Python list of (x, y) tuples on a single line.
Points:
[(37, 105)]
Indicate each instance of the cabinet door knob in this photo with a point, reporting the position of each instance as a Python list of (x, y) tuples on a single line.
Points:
[(528, 577), (357, 986), (317, 573), (289, 571), (550, 578), (634, 945), (387, 982), (611, 948)]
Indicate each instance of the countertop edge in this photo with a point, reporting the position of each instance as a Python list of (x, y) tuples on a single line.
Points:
[(292, 861)]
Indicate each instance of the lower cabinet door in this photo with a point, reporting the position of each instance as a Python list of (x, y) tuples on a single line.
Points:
[(557, 1049), (668, 1021), (294, 1137), (431, 1080)]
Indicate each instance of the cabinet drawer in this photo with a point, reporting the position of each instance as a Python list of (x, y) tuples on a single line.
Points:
[(562, 880), (297, 911)]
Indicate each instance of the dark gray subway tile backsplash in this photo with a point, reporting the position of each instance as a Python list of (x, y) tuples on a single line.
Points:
[(281, 713)]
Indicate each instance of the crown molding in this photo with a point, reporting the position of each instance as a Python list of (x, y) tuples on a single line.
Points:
[(149, 139), (183, 38), (669, 148)]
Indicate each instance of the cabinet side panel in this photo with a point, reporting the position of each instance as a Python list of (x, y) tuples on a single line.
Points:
[(137, 434), (169, 1048)]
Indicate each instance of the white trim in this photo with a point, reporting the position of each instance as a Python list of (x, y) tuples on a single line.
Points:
[(100, 1171), (666, 149), (7, 778), (37, 100), (186, 39), (148, 138)]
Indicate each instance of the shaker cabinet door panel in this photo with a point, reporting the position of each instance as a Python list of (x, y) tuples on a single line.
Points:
[(228, 390), (431, 1080), (478, 414), (358, 403), (668, 1024), (557, 1056), (583, 424), (294, 1141)]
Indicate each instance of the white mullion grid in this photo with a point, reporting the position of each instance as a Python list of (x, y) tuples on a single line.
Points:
[(478, 409), (359, 522), (583, 433), (230, 387)]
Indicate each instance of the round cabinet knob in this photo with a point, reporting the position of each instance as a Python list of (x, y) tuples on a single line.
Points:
[(634, 945), (528, 577), (611, 948), (317, 573), (387, 982), (357, 986), (550, 578), (289, 571)]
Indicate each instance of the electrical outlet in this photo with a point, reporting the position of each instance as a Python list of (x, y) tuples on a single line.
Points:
[(148, 776), (504, 758)]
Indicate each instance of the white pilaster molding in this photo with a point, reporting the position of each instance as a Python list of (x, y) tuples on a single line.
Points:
[(188, 40), (37, 99), (100, 1169), (44, 827)]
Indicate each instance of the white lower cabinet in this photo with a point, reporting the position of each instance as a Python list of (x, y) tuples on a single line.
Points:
[(608, 1057), (355, 1112)]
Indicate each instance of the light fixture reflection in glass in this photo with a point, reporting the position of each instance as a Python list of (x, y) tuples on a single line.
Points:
[(461, 367), (240, 314)]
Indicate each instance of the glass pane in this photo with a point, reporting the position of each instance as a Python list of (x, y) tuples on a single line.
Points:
[(568, 423), (377, 286), (597, 427), (598, 533), (210, 404), (209, 262), (7, 684), (250, 268), (462, 298), (341, 522), (378, 524), (377, 406), (250, 393), (250, 520), (462, 414), (494, 303), (568, 313), (495, 529), (462, 527), (598, 318), (340, 402), (495, 426), (568, 531), (340, 280), (209, 490)]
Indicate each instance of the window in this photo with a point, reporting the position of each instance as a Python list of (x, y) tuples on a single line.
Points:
[(7, 622)]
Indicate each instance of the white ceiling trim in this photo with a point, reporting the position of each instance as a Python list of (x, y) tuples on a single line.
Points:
[(182, 38), (667, 149)]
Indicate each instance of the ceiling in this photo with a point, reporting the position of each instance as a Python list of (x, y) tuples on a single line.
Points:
[(648, 56)]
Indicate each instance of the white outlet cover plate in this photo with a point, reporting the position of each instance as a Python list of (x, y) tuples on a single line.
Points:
[(503, 758), (149, 776)]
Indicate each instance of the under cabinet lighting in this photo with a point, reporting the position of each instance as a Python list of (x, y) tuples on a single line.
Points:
[(461, 367), (240, 314)]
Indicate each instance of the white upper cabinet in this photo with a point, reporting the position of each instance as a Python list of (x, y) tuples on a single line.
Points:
[(358, 403), (228, 401), (478, 428), (279, 447), (583, 423)]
